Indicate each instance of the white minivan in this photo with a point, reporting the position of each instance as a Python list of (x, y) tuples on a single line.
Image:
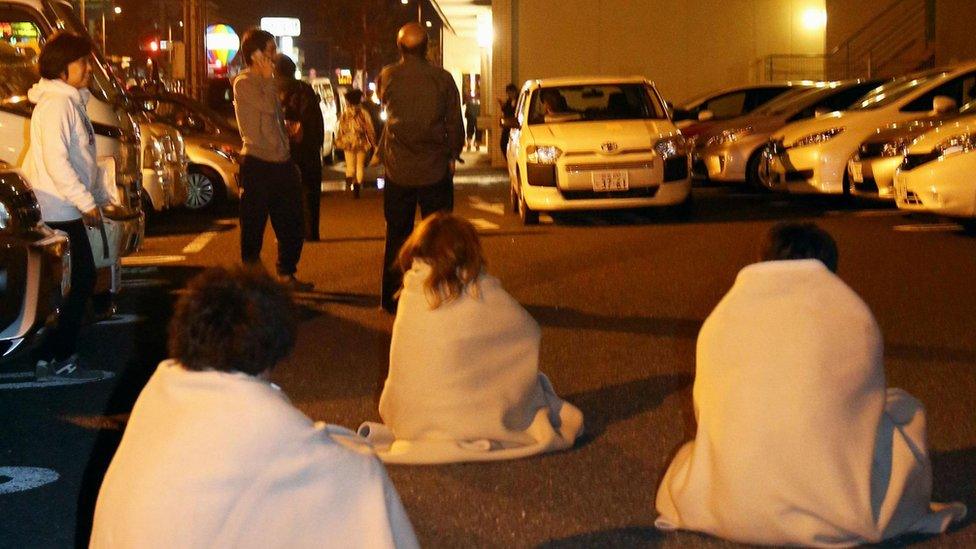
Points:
[(24, 26), (594, 143)]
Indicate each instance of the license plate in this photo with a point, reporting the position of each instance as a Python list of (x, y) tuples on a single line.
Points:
[(610, 180), (857, 172)]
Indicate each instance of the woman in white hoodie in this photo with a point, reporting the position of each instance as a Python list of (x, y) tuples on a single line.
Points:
[(61, 167)]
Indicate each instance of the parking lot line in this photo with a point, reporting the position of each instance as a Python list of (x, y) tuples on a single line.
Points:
[(146, 260), (477, 203), (929, 228), (200, 242), (484, 224)]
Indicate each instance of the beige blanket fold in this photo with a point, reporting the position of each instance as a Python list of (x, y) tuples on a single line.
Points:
[(799, 442), (464, 382), (223, 460)]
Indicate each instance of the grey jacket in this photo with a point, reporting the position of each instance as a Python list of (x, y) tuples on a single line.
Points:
[(260, 118), (424, 131)]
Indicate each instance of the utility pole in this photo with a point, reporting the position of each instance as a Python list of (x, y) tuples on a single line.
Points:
[(194, 25)]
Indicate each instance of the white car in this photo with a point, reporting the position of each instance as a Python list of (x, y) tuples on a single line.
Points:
[(164, 166), (728, 103), (594, 143), (938, 174), (812, 156)]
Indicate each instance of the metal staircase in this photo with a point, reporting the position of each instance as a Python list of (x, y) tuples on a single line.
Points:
[(898, 41)]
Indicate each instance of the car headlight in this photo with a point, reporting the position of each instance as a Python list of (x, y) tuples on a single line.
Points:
[(153, 156), (896, 147), (5, 218), (226, 152), (671, 147), (728, 136), (544, 154), (817, 138), (957, 144)]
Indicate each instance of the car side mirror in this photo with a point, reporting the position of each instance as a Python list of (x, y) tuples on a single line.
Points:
[(943, 104), (510, 123), (705, 115)]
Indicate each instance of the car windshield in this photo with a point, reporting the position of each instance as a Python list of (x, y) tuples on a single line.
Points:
[(189, 116), (584, 103), (887, 94), (788, 101)]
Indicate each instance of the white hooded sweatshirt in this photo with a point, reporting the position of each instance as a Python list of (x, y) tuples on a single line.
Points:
[(61, 160)]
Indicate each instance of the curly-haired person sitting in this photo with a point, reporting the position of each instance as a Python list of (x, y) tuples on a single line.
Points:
[(215, 455)]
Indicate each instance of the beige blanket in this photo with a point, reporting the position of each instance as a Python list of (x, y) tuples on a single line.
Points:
[(798, 440), (464, 382), (223, 460)]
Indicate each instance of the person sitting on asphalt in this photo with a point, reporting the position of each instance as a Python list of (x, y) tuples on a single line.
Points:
[(464, 381), (214, 454), (799, 442)]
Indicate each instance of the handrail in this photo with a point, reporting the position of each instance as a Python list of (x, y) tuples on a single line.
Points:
[(866, 26)]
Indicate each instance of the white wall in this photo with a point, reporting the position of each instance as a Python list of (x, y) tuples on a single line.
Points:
[(687, 47)]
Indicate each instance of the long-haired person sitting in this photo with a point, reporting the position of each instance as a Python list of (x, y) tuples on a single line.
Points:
[(464, 381), (214, 454)]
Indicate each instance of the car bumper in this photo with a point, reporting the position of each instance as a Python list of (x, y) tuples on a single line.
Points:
[(37, 275), (873, 177), (804, 170), (944, 187), (650, 182), (725, 164)]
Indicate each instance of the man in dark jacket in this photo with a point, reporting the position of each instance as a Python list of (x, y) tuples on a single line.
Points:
[(306, 132), (424, 137)]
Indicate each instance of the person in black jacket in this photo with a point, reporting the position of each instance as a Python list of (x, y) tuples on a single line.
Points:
[(306, 132)]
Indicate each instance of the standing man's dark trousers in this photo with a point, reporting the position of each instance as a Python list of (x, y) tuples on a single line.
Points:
[(311, 170), (272, 189), (400, 207)]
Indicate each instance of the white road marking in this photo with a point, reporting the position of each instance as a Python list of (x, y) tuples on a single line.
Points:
[(866, 213), (144, 260), (22, 479), (487, 179), (200, 242), (929, 228), (120, 319), (141, 270), (31, 383), (478, 203), (484, 224), (143, 283)]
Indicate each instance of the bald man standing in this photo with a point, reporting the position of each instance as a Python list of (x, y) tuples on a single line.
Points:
[(423, 138)]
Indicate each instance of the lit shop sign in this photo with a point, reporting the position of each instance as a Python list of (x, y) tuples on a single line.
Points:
[(22, 31), (282, 26), (222, 45), (344, 77)]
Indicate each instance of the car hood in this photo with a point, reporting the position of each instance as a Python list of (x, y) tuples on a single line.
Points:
[(911, 128), (590, 136), (201, 139), (847, 119), (956, 126), (760, 125)]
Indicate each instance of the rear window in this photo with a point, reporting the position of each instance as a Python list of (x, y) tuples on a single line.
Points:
[(598, 102)]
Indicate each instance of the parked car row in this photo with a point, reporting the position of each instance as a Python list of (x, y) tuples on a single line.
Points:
[(908, 139)]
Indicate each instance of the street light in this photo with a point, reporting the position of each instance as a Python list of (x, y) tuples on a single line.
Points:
[(118, 11)]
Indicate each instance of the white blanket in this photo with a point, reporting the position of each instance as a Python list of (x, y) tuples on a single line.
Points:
[(224, 460), (798, 440), (464, 382)]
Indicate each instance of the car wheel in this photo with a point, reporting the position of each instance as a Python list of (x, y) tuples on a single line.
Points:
[(204, 189), (685, 209), (753, 176), (527, 215)]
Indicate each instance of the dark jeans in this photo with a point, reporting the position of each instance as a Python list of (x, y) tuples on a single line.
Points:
[(271, 189), (311, 172), (62, 340), (400, 208)]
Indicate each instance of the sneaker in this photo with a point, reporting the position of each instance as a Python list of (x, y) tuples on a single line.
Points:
[(68, 368), (295, 285)]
